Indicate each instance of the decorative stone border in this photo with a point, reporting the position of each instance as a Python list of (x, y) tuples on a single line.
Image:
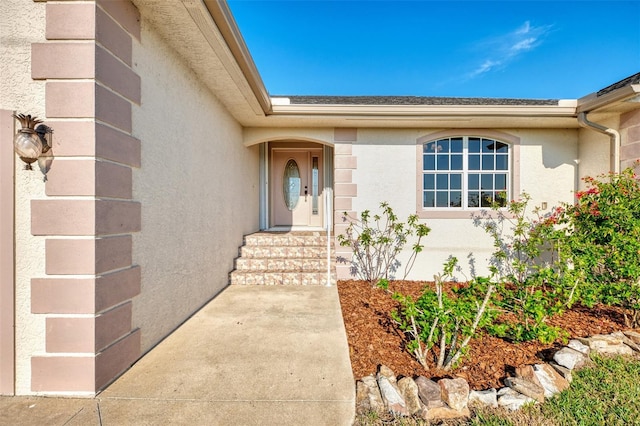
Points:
[(450, 398)]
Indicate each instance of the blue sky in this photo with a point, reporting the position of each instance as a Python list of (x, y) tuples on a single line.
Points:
[(517, 49)]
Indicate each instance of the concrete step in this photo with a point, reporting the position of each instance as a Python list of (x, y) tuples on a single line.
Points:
[(283, 258), (281, 264), (268, 252), (280, 278), (296, 239)]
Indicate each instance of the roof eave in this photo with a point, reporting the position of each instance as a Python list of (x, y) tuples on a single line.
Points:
[(564, 109), (592, 102), (223, 18)]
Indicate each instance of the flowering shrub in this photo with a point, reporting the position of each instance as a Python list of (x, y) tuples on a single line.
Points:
[(604, 242), (534, 275)]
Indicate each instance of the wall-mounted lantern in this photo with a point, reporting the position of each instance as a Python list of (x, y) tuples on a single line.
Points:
[(31, 142)]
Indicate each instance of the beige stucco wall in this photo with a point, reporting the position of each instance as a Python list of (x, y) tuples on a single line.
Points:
[(594, 149), (387, 170), (22, 23), (198, 185)]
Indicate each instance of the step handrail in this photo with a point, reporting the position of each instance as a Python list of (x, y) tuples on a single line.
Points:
[(328, 220)]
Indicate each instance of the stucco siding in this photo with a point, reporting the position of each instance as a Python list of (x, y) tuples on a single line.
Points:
[(387, 170), (198, 185), (594, 149), (18, 92)]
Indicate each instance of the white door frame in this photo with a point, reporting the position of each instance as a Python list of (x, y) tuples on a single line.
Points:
[(309, 150)]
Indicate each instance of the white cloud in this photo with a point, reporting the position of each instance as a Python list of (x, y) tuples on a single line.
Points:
[(506, 48)]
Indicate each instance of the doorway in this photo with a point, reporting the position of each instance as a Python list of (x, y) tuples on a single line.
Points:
[(297, 188)]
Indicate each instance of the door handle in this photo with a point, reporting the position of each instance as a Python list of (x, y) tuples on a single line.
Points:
[(305, 191)]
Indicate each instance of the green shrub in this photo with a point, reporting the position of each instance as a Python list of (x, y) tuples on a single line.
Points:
[(604, 242), (534, 274), (446, 321), (377, 240)]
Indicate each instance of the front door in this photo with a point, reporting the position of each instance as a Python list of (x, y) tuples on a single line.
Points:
[(297, 187)]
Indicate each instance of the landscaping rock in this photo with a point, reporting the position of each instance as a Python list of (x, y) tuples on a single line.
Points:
[(627, 341), (607, 344), (393, 401), (363, 405), (438, 413), (552, 382), (528, 373), (512, 400), (388, 373), (579, 346), (634, 336), (455, 392), (372, 399), (570, 358), (526, 387), (563, 371), (429, 392), (409, 391), (487, 397)]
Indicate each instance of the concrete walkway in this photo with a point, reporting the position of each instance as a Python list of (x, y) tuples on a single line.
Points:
[(255, 355)]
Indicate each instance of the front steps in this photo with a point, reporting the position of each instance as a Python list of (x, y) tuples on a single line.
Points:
[(283, 258)]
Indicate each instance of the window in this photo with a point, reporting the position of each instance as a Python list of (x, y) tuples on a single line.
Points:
[(465, 172)]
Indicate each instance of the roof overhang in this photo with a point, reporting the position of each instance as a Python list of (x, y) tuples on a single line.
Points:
[(619, 101)]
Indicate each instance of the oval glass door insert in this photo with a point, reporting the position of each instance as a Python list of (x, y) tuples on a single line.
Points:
[(291, 184)]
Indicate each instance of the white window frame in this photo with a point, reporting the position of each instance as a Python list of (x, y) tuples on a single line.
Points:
[(513, 167)]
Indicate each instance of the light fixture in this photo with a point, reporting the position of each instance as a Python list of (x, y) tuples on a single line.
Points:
[(31, 142)]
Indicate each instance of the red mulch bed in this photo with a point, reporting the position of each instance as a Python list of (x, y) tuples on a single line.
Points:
[(374, 339)]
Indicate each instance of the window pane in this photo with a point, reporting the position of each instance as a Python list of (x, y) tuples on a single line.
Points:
[(456, 162), (474, 199), (486, 182), (442, 181), (501, 162), (456, 199), (429, 147), (486, 199), (488, 145), (429, 199), (474, 181), (501, 182), (456, 145), (474, 162), (429, 181), (487, 162), (443, 145), (443, 162), (502, 147), (474, 144), (442, 199), (456, 181), (429, 162), (501, 199)]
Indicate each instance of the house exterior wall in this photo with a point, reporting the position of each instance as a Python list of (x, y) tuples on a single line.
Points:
[(95, 288), (18, 92), (630, 134), (386, 171), (594, 150), (7, 289), (198, 185)]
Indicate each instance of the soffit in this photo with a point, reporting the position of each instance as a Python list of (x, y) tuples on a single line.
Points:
[(188, 28), (619, 101)]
